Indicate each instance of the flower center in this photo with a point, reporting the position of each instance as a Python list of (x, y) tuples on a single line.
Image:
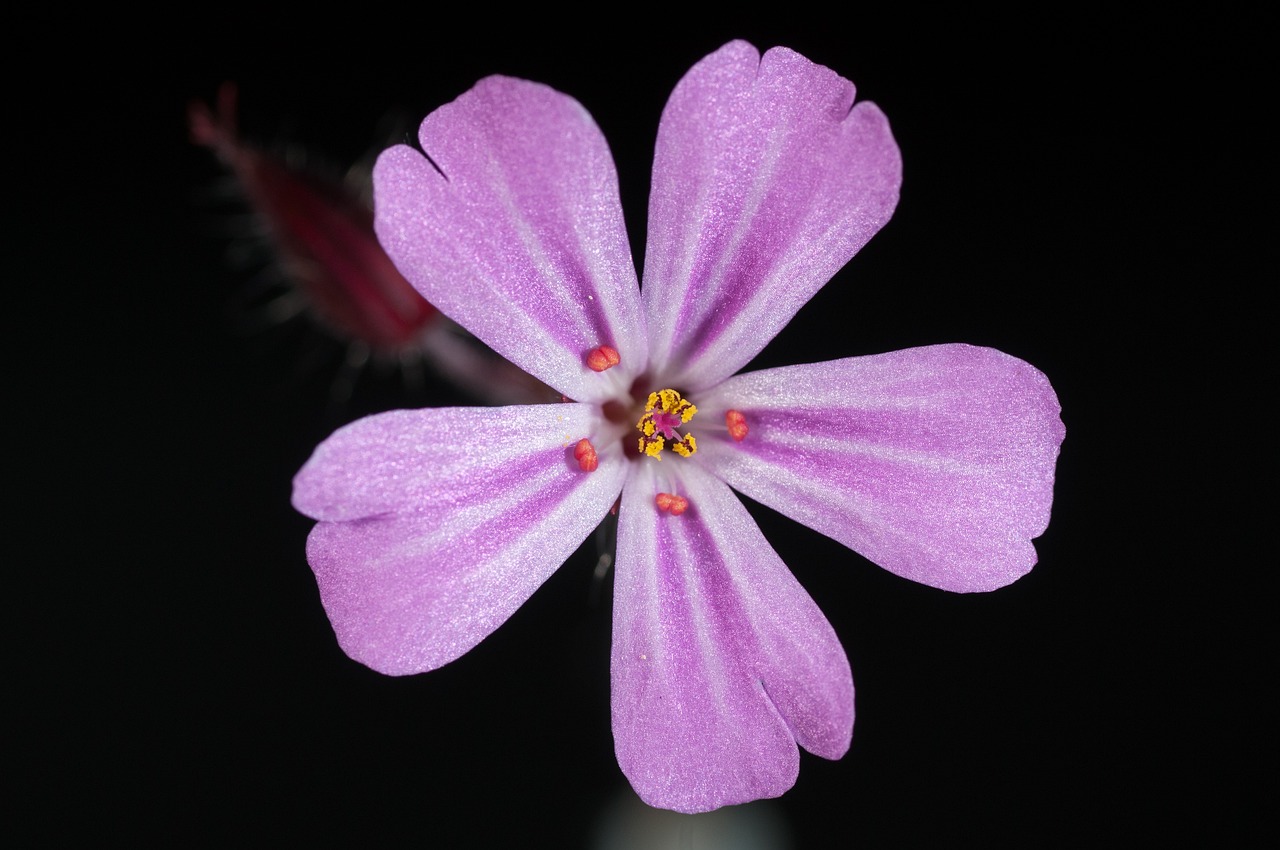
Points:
[(664, 413)]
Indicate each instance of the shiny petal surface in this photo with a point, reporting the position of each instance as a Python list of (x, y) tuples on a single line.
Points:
[(439, 523), (514, 229), (936, 463), (721, 660), (765, 183)]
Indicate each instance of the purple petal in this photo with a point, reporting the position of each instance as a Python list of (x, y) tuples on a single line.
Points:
[(721, 661), (765, 183), (936, 463), (440, 523), (513, 228)]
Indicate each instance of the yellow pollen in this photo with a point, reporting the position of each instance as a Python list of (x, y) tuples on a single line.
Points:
[(664, 412)]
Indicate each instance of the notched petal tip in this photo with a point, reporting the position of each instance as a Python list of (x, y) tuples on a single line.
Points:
[(511, 225), (936, 463), (438, 524), (722, 665), (767, 180)]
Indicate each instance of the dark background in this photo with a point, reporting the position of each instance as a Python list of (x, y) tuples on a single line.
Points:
[(1081, 191)]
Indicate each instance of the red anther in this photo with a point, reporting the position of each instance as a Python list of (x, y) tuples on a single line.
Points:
[(737, 425), (671, 503), (599, 359), (585, 453)]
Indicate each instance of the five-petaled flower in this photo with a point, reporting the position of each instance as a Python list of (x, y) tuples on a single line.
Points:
[(435, 525)]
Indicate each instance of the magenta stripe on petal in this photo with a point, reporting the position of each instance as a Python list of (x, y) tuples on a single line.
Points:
[(765, 183), (721, 661), (442, 522), (437, 459), (514, 229), (936, 463)]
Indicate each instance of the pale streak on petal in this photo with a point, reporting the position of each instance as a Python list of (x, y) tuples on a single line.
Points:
[(440, 523), (767, 180), (721, 661), (514, 229), (440, 458), (936, 463)]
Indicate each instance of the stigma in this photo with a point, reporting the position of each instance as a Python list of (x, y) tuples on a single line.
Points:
[(665, 412)]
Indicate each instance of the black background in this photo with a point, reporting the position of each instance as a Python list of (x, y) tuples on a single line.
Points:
[(1081, 191)]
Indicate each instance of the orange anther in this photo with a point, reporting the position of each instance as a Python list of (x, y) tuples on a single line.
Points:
[(737, 425), (585, 453), (671, 503), (599, 359)]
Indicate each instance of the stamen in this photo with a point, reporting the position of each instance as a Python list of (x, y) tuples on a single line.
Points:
[(671, 503), (652, 446), (604, 357), (737, 425), (664, 412), (585, 453)]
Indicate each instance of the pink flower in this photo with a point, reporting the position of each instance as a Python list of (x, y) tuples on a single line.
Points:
[(435, 525)]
